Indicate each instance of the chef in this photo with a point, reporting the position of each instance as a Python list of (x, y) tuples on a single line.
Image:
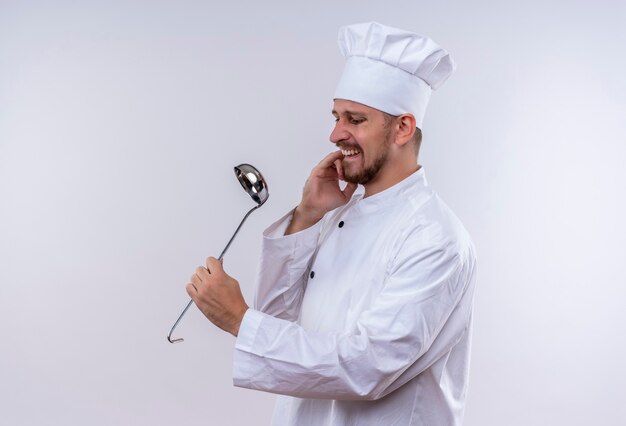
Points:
[(363, 306)]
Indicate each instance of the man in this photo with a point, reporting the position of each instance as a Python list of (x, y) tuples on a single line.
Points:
[(363, 305)]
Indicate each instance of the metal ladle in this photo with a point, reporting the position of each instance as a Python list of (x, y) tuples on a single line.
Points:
[(252, 181)]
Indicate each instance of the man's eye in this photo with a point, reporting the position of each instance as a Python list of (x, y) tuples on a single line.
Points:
[(353, 121)]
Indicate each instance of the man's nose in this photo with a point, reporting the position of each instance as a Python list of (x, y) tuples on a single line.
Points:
[(339, 133)]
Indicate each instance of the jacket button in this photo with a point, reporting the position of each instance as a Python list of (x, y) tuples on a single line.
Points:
[(312, 274), (341, 224)]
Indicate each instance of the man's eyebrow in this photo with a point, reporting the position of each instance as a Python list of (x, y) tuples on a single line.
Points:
[(348, 112)]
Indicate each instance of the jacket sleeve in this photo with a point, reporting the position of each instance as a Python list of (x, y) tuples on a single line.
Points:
[(421, 313), (282, 270)]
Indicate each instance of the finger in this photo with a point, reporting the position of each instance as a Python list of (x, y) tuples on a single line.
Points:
[(339, 168), (192, 291), (348, 191), (214, 265), (330, 159), (207, 262), (202, 272), (196, 280)]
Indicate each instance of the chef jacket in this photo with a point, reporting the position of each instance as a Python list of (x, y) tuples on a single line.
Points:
[(365, 317)]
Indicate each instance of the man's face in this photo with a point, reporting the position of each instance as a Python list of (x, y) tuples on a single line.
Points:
[(360, 132)]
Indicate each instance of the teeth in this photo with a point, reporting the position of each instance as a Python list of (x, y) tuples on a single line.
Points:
[(349, 152)]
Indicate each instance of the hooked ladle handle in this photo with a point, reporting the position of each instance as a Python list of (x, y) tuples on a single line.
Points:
[(182, 314)]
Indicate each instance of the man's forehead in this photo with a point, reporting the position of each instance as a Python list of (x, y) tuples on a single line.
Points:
[(342, 106)]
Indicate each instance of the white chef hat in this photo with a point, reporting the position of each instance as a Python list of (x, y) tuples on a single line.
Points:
[(390, 69)]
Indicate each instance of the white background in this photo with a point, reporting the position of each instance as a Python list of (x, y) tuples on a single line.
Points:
[(120, 123)]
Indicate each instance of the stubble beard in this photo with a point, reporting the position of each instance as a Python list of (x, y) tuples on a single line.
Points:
[(368, 173)]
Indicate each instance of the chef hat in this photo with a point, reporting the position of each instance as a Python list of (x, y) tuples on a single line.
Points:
[(390, 69)]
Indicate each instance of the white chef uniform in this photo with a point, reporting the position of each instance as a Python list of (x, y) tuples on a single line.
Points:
[(365, 317)]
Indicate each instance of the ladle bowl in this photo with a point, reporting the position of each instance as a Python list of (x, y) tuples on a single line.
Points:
[(253, 183)]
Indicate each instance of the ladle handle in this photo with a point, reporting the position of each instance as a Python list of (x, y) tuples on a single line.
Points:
[(182, 314), (237, 230)]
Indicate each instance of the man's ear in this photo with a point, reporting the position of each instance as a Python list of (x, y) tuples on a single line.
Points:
[(406, 128)]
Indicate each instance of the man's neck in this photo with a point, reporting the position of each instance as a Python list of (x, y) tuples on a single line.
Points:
[(386, 180)]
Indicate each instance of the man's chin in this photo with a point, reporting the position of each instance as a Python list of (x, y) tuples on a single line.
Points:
[(349, 175), (351, 179), (359, 178), (362, 177)]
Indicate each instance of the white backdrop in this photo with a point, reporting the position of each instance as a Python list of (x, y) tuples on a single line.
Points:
[(120, 123)]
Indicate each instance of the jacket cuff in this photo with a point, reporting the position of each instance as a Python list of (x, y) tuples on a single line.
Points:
[(298, 245), (247, 330), (245, 363)]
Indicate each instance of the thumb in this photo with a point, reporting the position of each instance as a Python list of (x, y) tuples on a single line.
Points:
[(348, 191)]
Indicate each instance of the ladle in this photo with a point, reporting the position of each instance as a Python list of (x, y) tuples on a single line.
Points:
[(252, 181)]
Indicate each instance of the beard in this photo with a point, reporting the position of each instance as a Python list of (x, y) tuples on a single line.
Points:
[(368, 173)]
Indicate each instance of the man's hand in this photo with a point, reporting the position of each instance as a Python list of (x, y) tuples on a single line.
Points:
[(218, 296), (321, 193)]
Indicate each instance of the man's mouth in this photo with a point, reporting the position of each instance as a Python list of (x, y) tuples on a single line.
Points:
[(350, 152)]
